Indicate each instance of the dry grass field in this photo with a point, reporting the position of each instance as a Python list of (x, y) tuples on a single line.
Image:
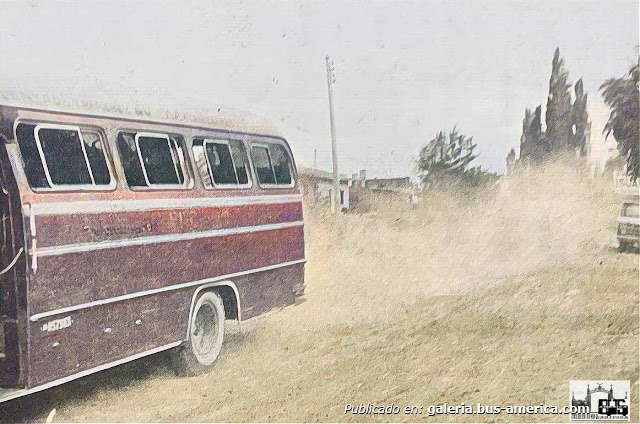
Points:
[(501, 298)]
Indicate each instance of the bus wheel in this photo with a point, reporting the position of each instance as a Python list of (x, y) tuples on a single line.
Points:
[(206, 333)]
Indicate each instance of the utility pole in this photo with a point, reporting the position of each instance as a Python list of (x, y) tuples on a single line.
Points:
[(315, 158), (335, 195)]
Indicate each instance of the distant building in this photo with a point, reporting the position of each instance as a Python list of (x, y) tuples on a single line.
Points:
[(601, 148), (317, 186), (399, 185)]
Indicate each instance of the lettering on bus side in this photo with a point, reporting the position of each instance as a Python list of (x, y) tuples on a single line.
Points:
[(57, 324), (105, 231)]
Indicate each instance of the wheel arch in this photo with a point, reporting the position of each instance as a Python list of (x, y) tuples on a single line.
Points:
[(230, 300)]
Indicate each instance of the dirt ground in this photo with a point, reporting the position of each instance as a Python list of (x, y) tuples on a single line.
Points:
[(499, 299)]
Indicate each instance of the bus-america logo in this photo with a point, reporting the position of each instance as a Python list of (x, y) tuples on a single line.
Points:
[(606, 400)]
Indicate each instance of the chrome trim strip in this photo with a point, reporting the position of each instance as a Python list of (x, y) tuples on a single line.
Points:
[(12, 394), (68, 309), (163, 238), (97, 206), (34, 237)]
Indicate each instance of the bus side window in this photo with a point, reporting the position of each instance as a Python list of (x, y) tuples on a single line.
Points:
[(152, 160), (62, 155), (130, 161), (273, 165), (222, 163), (96, 157), (281, 164), (240, 160), (33, 168), (262, 163), (201, 163)]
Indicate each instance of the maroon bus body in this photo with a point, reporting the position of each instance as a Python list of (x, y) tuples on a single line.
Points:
[(122, 267)]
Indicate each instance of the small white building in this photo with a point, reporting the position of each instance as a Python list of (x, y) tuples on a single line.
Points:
[(317, 186)]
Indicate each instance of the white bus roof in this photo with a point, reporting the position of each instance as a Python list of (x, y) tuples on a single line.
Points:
[(218, 117)]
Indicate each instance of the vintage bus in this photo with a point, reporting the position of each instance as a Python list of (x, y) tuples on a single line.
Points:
[(126, 236)]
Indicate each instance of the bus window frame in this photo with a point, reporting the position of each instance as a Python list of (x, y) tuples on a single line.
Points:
[(214, 185), (188, 179), (57, 188), (265, 144)]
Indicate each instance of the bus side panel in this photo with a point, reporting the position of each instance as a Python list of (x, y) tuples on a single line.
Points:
[(67, 343), (72, 228), (80, 340), (267, 290), (70, 279), (70, 343)]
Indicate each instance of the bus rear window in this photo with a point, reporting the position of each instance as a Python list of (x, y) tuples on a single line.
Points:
[(58, 156), (152, 160)]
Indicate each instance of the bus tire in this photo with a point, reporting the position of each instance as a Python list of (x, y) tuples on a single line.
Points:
[(206, 334)]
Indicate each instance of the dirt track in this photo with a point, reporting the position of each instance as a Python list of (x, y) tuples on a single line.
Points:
[(499, 300)]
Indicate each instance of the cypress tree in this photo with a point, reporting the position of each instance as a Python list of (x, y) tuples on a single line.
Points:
[(532, 142), (558, 116)]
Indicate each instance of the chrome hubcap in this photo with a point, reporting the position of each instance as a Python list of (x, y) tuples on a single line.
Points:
[(204, 332)]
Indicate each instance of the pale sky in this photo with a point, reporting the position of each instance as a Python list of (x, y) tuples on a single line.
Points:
[(404, 69)]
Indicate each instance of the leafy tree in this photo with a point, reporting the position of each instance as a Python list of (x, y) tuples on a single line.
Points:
[(622, 97), (446, 159), (558, 114)]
